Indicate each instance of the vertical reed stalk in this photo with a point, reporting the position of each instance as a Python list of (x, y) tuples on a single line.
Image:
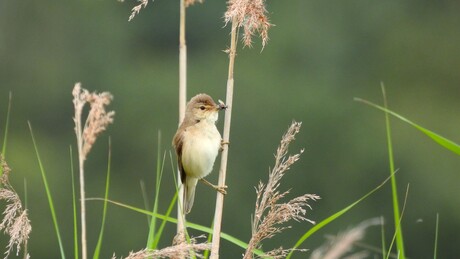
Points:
[(226, 137), (182, 102), (81, 163), (96, 122)]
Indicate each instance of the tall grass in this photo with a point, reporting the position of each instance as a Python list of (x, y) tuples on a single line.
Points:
[(394, 188)]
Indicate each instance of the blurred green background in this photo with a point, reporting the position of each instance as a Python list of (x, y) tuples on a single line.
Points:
[(320, 55)]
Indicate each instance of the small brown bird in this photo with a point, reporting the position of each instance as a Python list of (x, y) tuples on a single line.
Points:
[(197, 143)]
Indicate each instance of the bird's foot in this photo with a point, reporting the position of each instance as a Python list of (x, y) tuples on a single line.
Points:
[(221, 189), (222, 143)]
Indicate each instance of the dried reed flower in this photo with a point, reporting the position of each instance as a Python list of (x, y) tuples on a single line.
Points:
[(15, 223), (252, 16), (136, 9), (98, 118), (343, 243), (180, 250), (270, 213)]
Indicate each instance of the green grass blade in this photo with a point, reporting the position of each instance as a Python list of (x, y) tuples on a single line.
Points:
[(152, 240), (397, 230), (104, 210), (198, 227), (163, 222), (436, 237), (74, 207), (331, 218), (207, 252), (442, 141), (5, 136), (145, 199), (48, 194), (394, 189)]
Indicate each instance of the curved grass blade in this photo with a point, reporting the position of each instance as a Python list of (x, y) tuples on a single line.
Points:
[(163, 223), (442, 141), (48, 194), (104, 210), (198, 227), (333, 217)]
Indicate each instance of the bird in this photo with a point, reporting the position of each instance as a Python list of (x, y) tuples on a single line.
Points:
[(197, 143)]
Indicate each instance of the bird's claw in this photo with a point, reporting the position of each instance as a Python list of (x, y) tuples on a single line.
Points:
[(222, 189), (222, 143)]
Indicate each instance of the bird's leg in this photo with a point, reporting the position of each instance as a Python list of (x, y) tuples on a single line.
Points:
[(221, 189), (222, 143)]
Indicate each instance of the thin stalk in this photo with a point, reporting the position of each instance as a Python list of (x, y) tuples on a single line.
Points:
[(74, 206), (382, 232), (82, 208), (226, 138), (81, 163), (182, 100), (436, 237)]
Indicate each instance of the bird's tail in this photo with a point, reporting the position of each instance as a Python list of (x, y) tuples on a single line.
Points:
[(189, 193)]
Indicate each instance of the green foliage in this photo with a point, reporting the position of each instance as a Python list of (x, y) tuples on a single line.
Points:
[(97, 251), (442, 141), (394, 189), (48, 195), (333, 217), (74, 207), (153, 238), (204, 229)]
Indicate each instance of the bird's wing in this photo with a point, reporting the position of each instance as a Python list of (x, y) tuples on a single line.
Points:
[(178, 143)]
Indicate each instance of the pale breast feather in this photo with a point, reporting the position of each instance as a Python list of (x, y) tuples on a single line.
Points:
[(200, 151)]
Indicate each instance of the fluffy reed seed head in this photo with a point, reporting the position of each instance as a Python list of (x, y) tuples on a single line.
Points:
[(343, 243), (270, 213), (15, 223), (251, 15), (98, 118)]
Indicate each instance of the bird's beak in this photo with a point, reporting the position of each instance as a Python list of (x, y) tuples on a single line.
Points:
[(221, 106)]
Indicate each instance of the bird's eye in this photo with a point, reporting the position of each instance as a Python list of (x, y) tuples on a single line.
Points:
[(202, 107)]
